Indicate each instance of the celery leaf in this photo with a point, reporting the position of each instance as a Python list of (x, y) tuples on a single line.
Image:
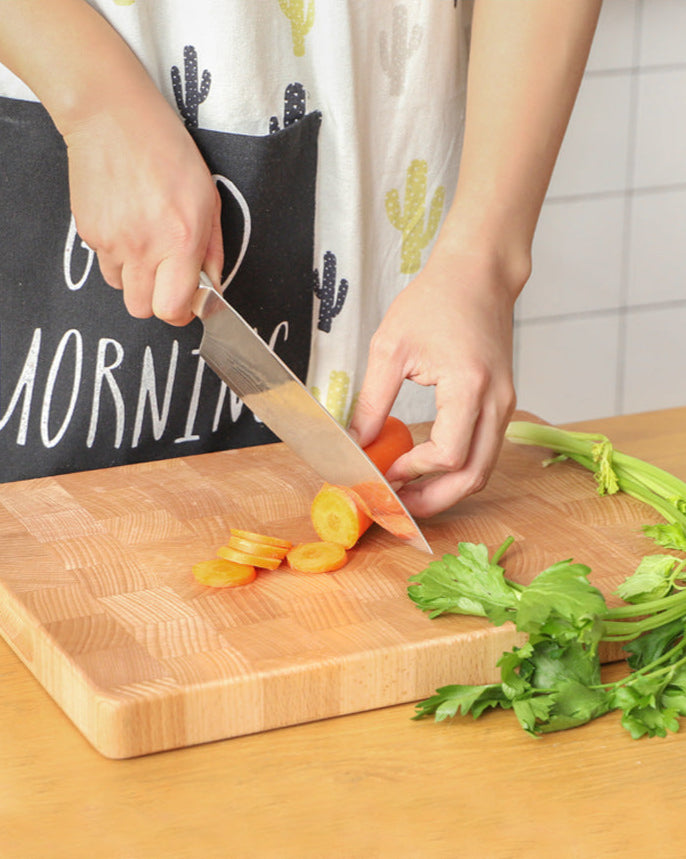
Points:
[(669, 535), (652, 579), (655, 644), (449, 701), (467, 583), (561, 602)]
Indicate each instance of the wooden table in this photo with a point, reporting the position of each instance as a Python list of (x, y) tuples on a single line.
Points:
[(370, 785)]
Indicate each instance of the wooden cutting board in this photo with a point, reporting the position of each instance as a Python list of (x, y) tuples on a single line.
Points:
[(98, 600)]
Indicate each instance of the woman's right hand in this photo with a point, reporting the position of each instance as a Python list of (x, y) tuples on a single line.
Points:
[(144, 200), (141, 194)]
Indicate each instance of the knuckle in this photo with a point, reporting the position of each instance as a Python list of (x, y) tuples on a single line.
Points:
[(508, 398), (448, 459), (478, 378), (137, 307), (96, 239), (381, 349), (182, 235), (170, 311), (477, 482)]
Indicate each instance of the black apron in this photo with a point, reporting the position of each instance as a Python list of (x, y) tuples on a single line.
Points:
[(84, 385)]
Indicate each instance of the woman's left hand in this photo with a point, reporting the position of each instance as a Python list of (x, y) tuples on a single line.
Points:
[(451, 328)]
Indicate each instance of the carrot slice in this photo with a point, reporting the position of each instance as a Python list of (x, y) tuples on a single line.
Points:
[(337, 516), (237, 557), (393, 440), (251, 547), (317, 557), (260, 538), (220, 573)]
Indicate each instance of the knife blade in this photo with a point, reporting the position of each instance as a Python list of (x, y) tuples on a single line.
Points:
[(277, 397)]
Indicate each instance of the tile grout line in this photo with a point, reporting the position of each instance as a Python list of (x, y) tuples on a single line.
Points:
[(600, 313), (652, 68), (614, 193), (627, 225)]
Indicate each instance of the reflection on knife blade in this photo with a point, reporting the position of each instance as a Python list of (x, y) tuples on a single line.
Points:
[(279, 399)]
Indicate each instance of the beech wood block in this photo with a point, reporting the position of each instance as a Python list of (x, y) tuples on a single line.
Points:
[(98, 600)]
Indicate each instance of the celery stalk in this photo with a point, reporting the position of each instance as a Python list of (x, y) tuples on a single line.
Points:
[(614, 470)]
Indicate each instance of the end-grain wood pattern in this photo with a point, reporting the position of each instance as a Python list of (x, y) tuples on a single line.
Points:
[(98, 600)]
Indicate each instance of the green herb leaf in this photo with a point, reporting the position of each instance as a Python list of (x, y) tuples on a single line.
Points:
[(653, 579), (651, 721), (554, 665), (575, 704), (561, 602), (653, 645), (668, 535), (645, 717), (467, 583), (449, 701), (564, 678), (640, 699), (516, 669), (534, 711), (674, 695)]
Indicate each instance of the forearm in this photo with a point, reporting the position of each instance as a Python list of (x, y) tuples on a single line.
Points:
[(72, 59), (526, 64)]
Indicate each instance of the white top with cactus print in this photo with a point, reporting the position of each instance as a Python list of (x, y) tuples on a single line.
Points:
[(388, 78)]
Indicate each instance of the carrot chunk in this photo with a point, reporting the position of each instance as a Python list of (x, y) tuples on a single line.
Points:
[(264, 563), (317, 557), (393, 441), (382, 507), (220, 573), (337, 517), (342, 514)]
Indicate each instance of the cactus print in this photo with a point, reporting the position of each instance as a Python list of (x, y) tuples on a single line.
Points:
[(336, 398), (194, 96), (301, 15), (294, 107), (397, 48), (331, 297), (410, 219)]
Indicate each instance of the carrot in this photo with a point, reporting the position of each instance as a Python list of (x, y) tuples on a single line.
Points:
[(220, 573), (337, 516), (260, 538), (342, 514), (381, 506), (264, 563), (252, 547), (317, 557), (393, 440)]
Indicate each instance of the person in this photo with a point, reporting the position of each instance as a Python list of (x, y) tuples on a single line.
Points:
[(409, 166)]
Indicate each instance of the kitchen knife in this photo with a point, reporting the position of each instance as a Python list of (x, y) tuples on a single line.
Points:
[(276, 396)]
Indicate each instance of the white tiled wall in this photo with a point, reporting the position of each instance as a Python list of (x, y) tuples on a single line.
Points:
[(601, 326)]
